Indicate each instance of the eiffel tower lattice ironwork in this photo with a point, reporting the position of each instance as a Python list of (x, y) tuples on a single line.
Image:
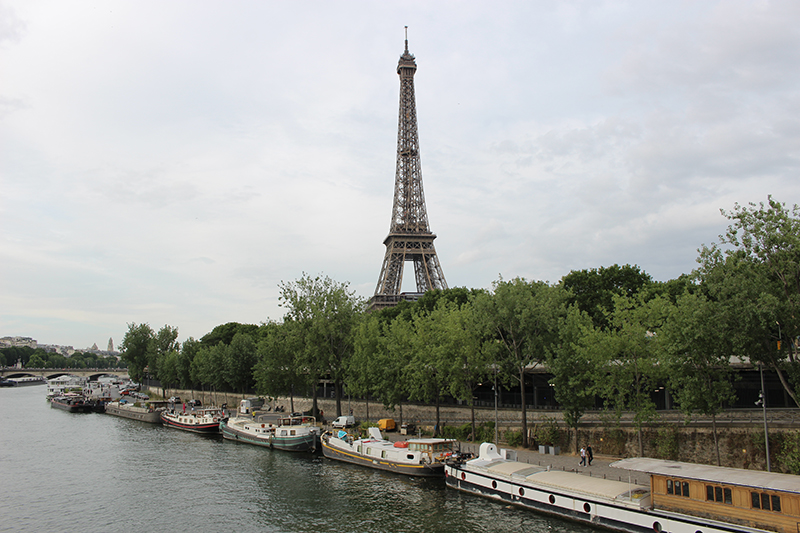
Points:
[(410, 238)]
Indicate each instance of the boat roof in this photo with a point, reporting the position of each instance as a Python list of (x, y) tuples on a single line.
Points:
[(713, 474), (558, 480)]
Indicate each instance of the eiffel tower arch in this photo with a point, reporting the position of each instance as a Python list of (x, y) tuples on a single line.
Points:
[(410, 238)]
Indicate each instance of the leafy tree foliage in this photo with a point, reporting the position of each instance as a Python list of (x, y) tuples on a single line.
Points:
[(593, 290), (240, 359), (279, 370), (696, 354), (135, 349), (523, 317), (630, 365), (754, 274), (326, 313), (575, 368)]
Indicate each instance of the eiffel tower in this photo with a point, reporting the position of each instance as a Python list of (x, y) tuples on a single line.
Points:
[(410, 238)]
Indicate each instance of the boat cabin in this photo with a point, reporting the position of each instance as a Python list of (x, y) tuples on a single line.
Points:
[(750, 498)]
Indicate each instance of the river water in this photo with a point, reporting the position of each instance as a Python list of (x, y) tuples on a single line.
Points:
[(92, 472)]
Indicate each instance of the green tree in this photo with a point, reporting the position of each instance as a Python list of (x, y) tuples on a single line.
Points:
[(207, 367), (468, 352), (696, 354), (188, 352), (630, 364), (364, 370), (427, 373), (593, 290), (524, 318), (36, 361), (326, 313), (754, 272), (135, 348), (574, 366), (240, 358), (225, 333), (279, 371)]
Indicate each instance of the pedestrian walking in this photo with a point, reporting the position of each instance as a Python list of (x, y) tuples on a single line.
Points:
[(589, 454), (583, 457)]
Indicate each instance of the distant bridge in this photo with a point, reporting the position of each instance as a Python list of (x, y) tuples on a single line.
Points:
[(49, 373)]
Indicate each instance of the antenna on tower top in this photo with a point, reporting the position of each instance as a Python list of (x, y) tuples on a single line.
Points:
[(406, 38)]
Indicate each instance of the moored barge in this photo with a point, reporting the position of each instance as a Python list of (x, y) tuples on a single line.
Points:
[(134, 412), (414, 457), (198, 421), (681, 497)]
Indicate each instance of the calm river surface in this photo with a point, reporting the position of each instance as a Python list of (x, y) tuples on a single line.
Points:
[(61, 471)]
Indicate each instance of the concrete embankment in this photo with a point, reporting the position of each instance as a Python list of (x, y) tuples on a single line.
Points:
[(740, 433)]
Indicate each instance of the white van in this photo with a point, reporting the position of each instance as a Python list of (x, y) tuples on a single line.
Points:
[(249, 405), (344, 421)]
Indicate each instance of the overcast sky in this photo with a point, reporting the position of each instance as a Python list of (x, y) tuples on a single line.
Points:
[(173, 162)]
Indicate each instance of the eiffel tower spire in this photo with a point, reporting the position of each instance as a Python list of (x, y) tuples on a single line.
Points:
[(410, 237)]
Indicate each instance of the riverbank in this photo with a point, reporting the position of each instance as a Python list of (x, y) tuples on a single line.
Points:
[(740, 432)]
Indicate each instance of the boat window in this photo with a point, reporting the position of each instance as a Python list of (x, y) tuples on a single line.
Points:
[(410, 456), (358, 448), (293, 432), (767, 502), (680, 488), (776, 503), (719, 494), (755, 500)]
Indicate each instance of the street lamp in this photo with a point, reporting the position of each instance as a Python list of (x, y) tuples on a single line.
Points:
[(762, 399), (494, 388)]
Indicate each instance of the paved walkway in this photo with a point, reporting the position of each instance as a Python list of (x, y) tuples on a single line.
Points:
[(567, 461), (570, 462)]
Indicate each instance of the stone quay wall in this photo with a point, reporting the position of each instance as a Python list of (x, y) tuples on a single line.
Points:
[(671, 436)]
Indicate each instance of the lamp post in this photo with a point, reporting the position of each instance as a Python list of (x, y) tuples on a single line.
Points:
[(495, 405), (762, 399)]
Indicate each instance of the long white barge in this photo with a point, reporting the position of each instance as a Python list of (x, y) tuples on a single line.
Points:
[(632, 508)]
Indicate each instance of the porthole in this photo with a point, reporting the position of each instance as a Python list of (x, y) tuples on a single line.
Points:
[(463, 475), (494, 484), (586, 507), (521, 491), (552, 499), (657, 527)]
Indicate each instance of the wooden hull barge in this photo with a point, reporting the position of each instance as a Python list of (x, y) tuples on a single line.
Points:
[(699, 506), (126, 410), (292, 434), (205, 421), (414, 457)]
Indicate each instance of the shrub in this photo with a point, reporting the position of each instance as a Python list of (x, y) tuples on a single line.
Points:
[(667, 443), (547, 432), (789, 454), (513, 438)]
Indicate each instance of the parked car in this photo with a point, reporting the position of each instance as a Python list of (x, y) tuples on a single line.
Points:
[(195, 403), (174, 399)]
